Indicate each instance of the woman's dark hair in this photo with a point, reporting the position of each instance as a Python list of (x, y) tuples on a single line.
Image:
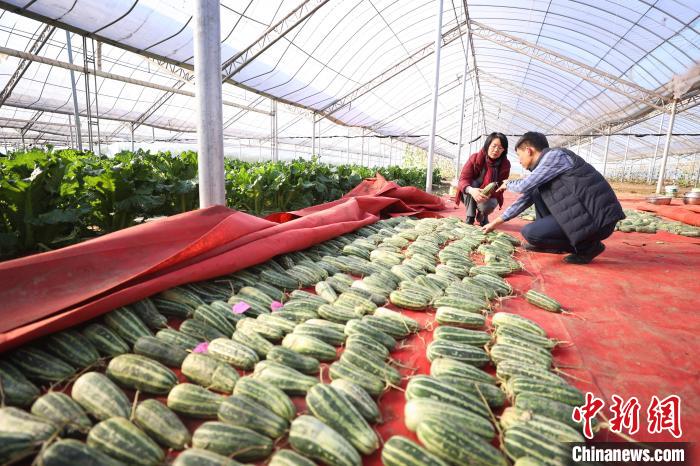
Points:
[(501, 137)]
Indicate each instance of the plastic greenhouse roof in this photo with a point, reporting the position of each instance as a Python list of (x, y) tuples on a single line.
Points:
[(570, 69)]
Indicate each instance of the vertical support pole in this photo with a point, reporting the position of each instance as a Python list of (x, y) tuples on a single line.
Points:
[(607, 149), (318, 136), (656, 149), (70, 128), (76, 114), (132, 137), (624, 160), (590, 150), (362, 152), (348, 145), (436, 86), (471, 117), (697, 175), (458, 163), (391, 150), (313, 134), (210, 130), (275, 133), (664, 161)]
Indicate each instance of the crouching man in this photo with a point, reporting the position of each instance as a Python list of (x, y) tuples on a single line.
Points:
[(576, 209)]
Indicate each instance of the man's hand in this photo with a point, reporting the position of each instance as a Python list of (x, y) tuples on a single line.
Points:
[(488, 228), (502, 187), (477, 195)]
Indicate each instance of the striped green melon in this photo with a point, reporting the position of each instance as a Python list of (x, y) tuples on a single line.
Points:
[(509, 369), (359, 397), (309, 346), (209, 372), (178, 338), (72, 348), (148, 312), (522, 441), (141, 373), (534, 355), (356, 326), (446, 367), (290, 358), (201, 457), (531, 338), (334, 409), (369, 382), (100, 397), (411, 325), (542, 301), (62, 411), (462, 335), (233, 352), (258, 326), (252, 340), (267, 395), (161, 424), (558, 392), (324, 333), (16, 389), (557, 431), (123, 441), (216, 318), (194, 401), (280, 323), (71, 452), (289, 458), (15, 446), (456, 445), (391, 327), (551, 408), (316, 440), (459, 318), (243, 411), (18, 421), (371, 363), (401, 451), (168, 354), (368, 343), (493, 395), (513, 320), (200, 330), (40, 366), (457, 351), (125, 323), (421, 386), (234, 441), (283, 377), (418, 410)]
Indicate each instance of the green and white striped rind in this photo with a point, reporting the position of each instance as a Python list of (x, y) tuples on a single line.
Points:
[(17, 389), (498, 284), (100, 397), (14, 446), (503, 352), (372, 384), (309, 346), (359, 397), (409, 300), (459, 370), (181, 295), (18, 421), (326, 291), (280, 323), (123, 441), (279, 279), (392, 327), (369, 362), (542, 301), (466, 303), (356, 326), (419, 409), (209, 372), (289, 458), (71, 452), (63, 411), (330, 333), (509, 369), (555, 430), (216, 318), (200, 330), (314, 439), (493, 395), (336, 313), (40, 366), (458, 351), (258, 326), (334, 409), (246, 412), (401, 451), (141, 373), (233, 352), (290, 358), (253, 341), (72, 348), (168, 354), (409, 324), (547, 407), (459, 318), (200, 457), (161, 424), (107, 342), (563, 393), (457, 445), (368, 343), (194, 401), (238, 442), (267, 395), (178, 338), (422, 386), (477, 338), (126, 324), (506, 319), (289, 380), (522, 441), (525, 336)]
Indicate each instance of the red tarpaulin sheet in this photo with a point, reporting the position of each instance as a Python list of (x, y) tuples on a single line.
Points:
[(48, 292), (689, 214)]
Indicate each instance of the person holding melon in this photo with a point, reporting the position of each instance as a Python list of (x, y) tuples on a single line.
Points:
[(481, 175), (576, 208)]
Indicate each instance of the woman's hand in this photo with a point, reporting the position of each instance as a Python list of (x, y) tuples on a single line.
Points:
[(477, 195)]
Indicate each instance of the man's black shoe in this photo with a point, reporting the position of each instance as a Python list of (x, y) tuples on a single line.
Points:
[(529, 247), (470, 220), (588, 256)]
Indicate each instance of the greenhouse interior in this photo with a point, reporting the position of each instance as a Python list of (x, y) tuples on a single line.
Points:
[(349, 233)]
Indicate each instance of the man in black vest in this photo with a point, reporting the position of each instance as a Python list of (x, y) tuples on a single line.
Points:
[(575, 206)]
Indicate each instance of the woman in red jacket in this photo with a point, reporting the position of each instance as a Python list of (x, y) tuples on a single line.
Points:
[(483, 167)]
